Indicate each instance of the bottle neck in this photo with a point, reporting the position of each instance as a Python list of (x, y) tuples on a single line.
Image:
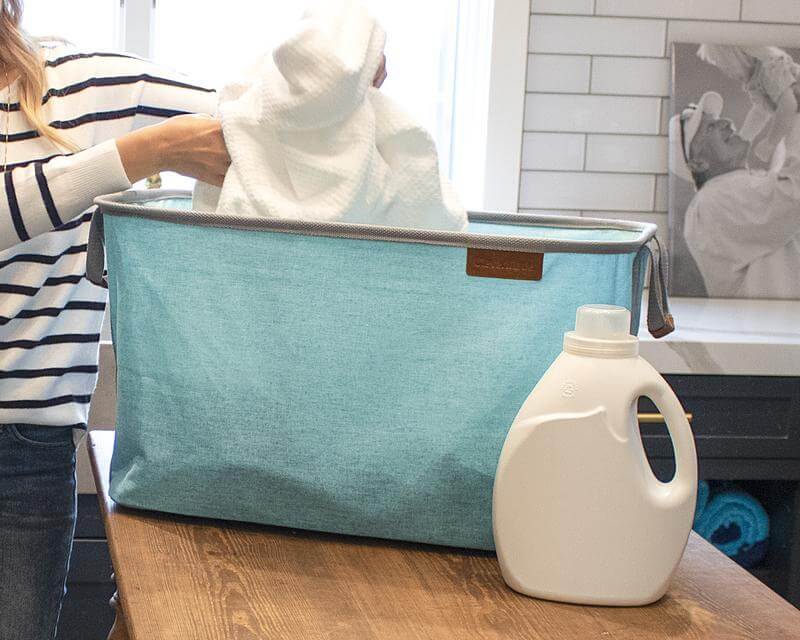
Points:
[(627, 347)]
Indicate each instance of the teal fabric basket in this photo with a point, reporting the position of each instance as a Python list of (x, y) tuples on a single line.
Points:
[(342, 378)]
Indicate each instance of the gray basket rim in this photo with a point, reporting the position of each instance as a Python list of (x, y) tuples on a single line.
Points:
[(128, 204)]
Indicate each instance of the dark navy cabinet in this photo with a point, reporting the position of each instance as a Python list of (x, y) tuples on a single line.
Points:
[(86, 614), (747, 429)]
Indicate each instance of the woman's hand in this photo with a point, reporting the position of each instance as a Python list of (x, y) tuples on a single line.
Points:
[(192, 145), (381, 74), (197, 148)]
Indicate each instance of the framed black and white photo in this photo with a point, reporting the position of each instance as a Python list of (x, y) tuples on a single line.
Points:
[(734, 183)]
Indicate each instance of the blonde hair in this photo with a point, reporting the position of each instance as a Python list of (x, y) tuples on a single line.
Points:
[(20, 52)]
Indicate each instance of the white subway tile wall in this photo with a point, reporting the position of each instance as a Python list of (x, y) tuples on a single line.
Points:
[(693, 9), (549, 212), (781, 35), (562, 6), (630, 76), (581, 113), (553, 151), (771, 10), (665, 116), (590, 35), (662, 193), (585, 190), (597, 107), (628, 154), (559, 74)]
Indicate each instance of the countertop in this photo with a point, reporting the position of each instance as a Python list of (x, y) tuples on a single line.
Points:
[(728, 337), (184, 577)]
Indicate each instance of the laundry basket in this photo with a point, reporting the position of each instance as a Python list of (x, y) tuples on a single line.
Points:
[(340, 377)]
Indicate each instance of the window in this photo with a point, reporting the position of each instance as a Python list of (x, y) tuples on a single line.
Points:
[(457, 65), (421, 53), (91, 24)]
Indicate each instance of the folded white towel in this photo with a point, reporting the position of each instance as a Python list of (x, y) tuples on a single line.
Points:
[(310, 138)]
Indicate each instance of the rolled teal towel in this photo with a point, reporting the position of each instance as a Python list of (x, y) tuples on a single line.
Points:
[(736, 523), (703, 492)]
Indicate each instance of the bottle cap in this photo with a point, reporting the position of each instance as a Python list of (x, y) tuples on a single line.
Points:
[(602, 330)]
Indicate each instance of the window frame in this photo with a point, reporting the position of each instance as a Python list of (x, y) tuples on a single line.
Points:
[(137, 23), (506, 90), (506, 113)]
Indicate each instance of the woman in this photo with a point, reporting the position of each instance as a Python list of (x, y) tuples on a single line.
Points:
[(86, 137), (72, 126)]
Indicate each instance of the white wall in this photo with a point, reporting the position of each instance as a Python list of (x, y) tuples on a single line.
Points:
[(597, 104)]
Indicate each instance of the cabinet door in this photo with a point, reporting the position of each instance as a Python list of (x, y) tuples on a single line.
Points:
[(86, 614), (733, 417)]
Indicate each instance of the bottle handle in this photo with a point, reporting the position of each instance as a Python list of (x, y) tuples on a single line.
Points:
[(684, 484)]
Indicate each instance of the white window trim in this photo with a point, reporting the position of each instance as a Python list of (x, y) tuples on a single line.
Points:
[(506, 105), (506, 92), (137, 22)]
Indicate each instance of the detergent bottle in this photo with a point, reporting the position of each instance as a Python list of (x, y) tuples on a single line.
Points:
[(578, 515)]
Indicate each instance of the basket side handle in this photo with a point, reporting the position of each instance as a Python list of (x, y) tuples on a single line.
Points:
[(659, 319), (95, 252)]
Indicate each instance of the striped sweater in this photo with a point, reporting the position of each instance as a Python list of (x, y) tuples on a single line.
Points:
[(50, 315)]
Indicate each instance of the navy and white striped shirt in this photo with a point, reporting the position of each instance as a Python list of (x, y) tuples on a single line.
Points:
[(50, 315)]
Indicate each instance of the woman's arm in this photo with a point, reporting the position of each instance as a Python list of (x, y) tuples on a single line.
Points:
[(781, 124), (784, 117), (164, 135), (754, 122), (40, 196), (192, 145)]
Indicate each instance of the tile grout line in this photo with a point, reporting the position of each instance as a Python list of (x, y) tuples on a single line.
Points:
[(588, 134), (585, 150), (719, 21), (657, 96), (571, 54), (524, 109), (598, 133), (631, 212), (579, 172), (655, 204), (655, 190), (741, 2)]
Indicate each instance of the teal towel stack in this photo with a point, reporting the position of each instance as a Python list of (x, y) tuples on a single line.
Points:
[(703, 492), (735, 523)]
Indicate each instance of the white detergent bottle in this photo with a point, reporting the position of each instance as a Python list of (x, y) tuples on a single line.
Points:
[(578, 514)]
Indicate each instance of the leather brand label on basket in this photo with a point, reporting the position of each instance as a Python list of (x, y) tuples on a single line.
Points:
[(513, 265)]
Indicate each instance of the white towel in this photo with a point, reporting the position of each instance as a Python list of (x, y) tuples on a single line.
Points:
[(311, 138)]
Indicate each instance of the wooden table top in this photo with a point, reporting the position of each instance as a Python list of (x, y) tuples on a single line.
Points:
[(185, 578)]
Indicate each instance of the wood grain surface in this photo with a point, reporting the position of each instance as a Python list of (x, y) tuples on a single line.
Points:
[(185, 578)]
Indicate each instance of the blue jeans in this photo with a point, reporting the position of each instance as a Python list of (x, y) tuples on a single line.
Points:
[(37, 523)]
